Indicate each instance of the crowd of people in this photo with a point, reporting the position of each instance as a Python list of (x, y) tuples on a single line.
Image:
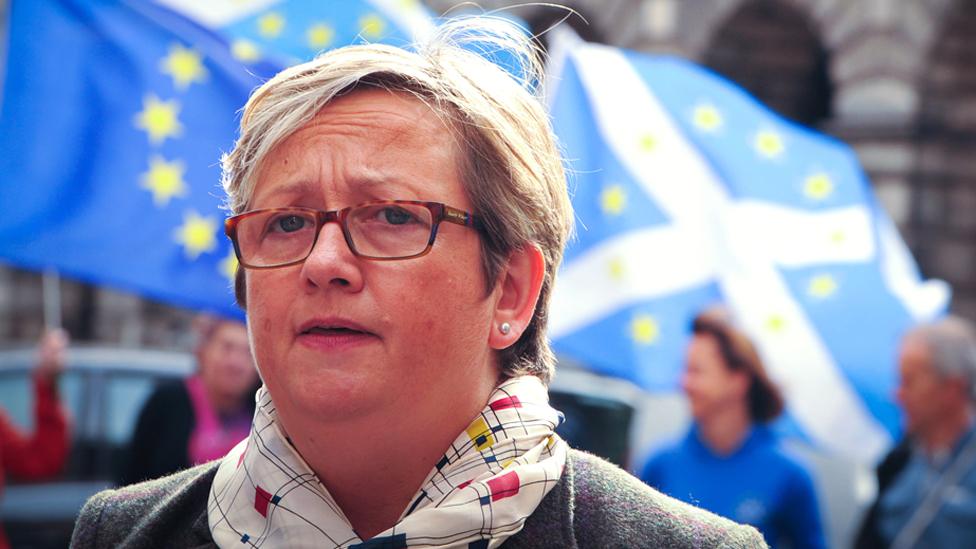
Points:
[(731, 463), (399, 218)]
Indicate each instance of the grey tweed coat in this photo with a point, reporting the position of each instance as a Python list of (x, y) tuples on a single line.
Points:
[(594, 505)]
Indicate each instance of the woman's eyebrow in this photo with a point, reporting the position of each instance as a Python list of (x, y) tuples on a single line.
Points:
[(298, 187), (368, 186), (375, 182)]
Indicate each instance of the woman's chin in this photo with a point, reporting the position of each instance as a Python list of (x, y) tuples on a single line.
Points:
[(336, 395)]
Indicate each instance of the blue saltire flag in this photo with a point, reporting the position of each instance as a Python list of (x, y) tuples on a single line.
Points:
[(689, 192), (113, 117)]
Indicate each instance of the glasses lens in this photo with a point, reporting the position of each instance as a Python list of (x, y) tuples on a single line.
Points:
[(273, 238), (390, 230)]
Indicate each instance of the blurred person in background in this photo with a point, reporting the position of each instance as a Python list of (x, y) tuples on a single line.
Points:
[(43, 453), (399, 217), (192, 421), (927, 485), (730, 461)]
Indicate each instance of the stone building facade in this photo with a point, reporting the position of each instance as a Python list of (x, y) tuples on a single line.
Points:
[(894, 78)]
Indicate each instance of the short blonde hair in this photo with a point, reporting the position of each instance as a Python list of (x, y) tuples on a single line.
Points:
[(510, 165)]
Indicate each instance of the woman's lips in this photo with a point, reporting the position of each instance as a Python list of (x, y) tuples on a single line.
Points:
[(334, 338)]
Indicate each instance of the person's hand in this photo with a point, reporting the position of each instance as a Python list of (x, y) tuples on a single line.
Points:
[(51, 353)]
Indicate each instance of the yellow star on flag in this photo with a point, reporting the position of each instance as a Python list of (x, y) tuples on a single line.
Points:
[(245, 51), (647, 142), (822, 286), (616, 269), (707, 117), (372, 26), (644, 329), (228, 266), (160, 119), (319, 36), (271, 24), (769, 144), (818, 186), (613, 199), (185, 65), (164, 179), (198, 234), (775, 323)]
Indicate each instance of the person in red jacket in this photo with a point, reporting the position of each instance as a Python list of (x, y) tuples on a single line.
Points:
[(40, 454)]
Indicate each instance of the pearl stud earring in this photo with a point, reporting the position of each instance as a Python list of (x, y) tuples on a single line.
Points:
[(504, 328)]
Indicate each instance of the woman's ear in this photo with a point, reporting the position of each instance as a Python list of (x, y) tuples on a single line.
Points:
[(517, 292)]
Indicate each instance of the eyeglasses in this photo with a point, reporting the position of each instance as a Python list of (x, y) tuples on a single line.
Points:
[(382, 231)]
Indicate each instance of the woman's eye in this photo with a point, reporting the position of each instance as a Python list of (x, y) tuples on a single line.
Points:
[(395, 216), (288, 223)]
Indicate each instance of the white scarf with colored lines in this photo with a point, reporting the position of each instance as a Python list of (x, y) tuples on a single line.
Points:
[(489, 481)]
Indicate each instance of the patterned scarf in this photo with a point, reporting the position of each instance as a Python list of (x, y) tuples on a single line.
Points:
[(478, 494)]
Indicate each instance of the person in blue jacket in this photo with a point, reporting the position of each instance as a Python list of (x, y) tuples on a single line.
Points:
[(730, 462)]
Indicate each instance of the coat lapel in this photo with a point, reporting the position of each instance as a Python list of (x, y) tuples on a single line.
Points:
[(199, 535), (551, 525)]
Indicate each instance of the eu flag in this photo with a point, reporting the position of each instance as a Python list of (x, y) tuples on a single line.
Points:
[(689, 192), (291, 31), (114, 115)]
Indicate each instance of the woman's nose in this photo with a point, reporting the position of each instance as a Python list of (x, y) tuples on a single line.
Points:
[(331, 263)]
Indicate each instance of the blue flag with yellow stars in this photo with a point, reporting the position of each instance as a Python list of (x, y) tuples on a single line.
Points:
[(689, 192), (291, 31), (113, 117)]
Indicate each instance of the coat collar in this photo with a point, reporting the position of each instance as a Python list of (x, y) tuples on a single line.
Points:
[(551, 524), (200, 537)]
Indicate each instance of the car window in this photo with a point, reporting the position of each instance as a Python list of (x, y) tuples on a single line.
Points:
[(17, 396), (124, 397), (70, 388)]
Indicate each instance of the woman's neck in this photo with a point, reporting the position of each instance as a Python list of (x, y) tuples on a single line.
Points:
[(383, 458), (223, 404), (724, 431)]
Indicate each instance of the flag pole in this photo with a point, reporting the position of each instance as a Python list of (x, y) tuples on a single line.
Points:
[(51, 296)]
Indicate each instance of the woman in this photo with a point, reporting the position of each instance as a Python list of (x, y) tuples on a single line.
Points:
[(399, 218), (729, 462), (201, 418)]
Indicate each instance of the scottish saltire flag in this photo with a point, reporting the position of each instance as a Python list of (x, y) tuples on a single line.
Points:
[(688, 192), (113, 117), (292, 31)]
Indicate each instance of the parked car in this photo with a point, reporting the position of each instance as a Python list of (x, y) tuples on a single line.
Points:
[(103, 390)]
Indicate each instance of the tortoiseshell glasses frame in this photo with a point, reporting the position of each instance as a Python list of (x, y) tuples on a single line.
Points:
[(384, 230)]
